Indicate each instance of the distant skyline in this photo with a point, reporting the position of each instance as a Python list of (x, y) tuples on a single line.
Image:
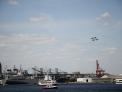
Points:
[(56, 33)]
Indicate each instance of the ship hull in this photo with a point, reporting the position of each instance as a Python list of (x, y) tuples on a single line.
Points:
[(26, 81)]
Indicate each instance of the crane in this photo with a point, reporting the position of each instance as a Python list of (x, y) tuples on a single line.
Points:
[(99, 71)]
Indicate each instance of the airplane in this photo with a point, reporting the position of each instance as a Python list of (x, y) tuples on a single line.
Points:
[(94, 39)]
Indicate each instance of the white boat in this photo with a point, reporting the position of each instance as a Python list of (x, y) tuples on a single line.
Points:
[(2, 82), (50, 86), (47, 80), (118, 81)]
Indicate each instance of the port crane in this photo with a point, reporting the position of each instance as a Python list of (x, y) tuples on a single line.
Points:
[(99, 70)]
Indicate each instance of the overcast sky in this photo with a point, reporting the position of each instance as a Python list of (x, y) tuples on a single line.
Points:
[(56, 33)]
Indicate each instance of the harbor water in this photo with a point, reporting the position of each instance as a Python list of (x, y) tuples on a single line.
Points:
[(63, 88)]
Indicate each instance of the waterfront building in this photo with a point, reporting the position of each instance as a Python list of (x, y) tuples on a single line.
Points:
[(84, 80)]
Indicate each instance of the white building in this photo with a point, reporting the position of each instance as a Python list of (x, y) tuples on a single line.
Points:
[(84, 80)]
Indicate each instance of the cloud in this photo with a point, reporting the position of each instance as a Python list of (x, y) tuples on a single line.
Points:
[(111, 50), (13, 2), (105, 18), (44, 21), (25, 39), (38, 18), (68, 51)]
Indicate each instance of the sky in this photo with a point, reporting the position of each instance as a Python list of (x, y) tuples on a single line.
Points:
[(56, 34)]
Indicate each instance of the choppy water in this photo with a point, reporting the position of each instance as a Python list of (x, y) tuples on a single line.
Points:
[(64, 88)]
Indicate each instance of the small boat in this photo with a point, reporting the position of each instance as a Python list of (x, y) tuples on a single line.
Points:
[(47, 80), (118, 81), (1, 82), (50, 86)]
